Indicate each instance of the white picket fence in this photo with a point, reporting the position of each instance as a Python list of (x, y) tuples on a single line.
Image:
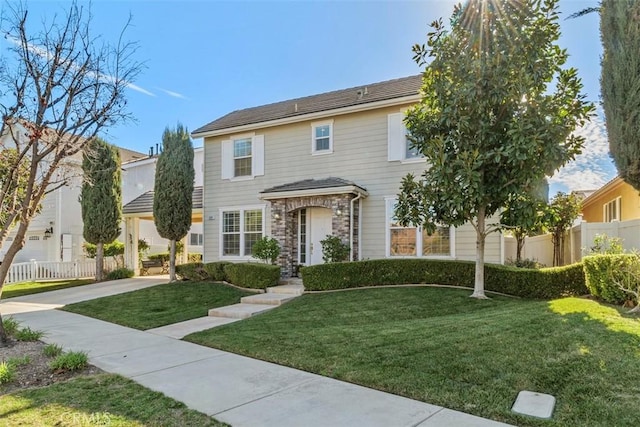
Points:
[(46, 270)]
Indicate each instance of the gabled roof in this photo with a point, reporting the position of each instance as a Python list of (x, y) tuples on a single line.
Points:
[(390, 89), (309, 187), (144, 202)]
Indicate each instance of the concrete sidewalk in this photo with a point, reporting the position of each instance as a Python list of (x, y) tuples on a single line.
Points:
[(237, 390)]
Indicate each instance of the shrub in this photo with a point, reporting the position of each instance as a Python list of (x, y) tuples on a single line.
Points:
[(52, 350), (7, 372), (524, 263), (603, 244), (529, 283), (19, 361), (266, 249), (194, 271), (333, 250), (120, 273), (603, 272), (28, 334), (215, 270), (252, 275), (71, 361), (11, 325)]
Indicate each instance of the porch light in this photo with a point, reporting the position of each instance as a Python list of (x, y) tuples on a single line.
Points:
[(48, 232), (276, 215), (339, 210)]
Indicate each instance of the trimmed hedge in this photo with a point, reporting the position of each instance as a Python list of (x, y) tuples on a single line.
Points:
[(192, 271), (252, 275), (120, 273), (543, 283), (601, 272), (215, 270)]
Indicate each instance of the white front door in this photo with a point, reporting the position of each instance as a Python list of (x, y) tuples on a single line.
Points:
[(319, 227)]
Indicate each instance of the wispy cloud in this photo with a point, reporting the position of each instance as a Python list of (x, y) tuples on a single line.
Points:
[(172, 93), (44, 53), (591, 169)]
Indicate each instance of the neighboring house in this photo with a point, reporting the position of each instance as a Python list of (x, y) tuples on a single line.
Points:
[(614, 201), (138, 179), (328, 164), (55, 234)]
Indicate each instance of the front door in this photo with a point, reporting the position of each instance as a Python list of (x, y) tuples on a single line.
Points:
[(318, 228)]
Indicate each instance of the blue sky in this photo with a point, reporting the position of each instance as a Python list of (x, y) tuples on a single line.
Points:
[(204, 59)]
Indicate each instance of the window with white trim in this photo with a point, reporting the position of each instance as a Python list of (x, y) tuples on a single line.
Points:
[(399, 145), (195, 239), (414, 241), (612, 211), (240, 230), (322, 137), (243, 157)]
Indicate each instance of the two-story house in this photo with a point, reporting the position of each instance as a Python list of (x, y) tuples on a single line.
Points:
[(327, 164)]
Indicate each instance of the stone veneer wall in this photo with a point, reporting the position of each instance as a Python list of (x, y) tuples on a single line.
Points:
[(285, 229)]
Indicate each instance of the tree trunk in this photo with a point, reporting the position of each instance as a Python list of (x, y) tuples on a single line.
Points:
[(478, 288), (14, 248), (99, 262), (519, 246), (172, 262)]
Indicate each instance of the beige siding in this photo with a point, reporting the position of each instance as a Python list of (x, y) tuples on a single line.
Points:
[(359, 155)]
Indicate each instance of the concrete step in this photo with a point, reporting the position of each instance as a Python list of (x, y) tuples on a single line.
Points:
[(240, 311), (268, 298), (286, 289)]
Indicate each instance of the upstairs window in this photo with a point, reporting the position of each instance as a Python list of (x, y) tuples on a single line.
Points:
[(322, 138), (243, 157), (398, 144)]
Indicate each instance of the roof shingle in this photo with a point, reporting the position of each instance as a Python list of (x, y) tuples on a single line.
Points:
[(364, 94), (144, 202)]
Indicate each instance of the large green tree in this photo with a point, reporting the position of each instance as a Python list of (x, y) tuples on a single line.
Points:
[(101, 197), (497, 115), (60, 86), (620, 84), (172, 201)]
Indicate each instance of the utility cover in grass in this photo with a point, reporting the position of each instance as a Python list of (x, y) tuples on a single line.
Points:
[(534, 404)]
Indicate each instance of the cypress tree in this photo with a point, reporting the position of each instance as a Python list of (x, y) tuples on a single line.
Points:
[(173, 189), (101, 197), (620, 84)]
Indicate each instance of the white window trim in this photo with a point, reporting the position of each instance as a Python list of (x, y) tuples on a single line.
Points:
[(257, 157), (221, 224), (314, 125), (617, 203), (396, 127), (389, 201)]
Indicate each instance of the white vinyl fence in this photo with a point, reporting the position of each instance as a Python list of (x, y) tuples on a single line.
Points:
[(45, 270)]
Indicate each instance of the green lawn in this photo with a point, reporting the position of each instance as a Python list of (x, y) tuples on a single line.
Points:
[(97, 400), (20, 289), (160, 305), (440, 346)]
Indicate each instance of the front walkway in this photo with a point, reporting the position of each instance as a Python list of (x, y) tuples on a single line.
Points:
[(235, 389)]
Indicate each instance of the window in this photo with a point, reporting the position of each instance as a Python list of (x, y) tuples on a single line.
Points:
[(322, 138), (243, 157), (399, 146), (241, 229), (415, 242), (612, 211), (195, 239), (302, 236)]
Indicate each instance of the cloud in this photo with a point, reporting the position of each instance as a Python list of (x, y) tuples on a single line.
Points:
[(172, 93), (44, 53), (591, 169)]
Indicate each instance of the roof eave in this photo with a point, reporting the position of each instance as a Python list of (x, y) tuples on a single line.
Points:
[(328, 191), (310, 116)]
